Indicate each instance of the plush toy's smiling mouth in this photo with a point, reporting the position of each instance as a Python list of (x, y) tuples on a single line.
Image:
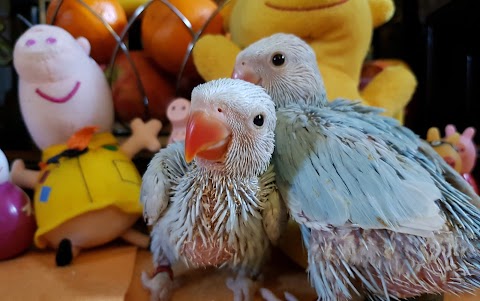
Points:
[(59, 99), (303, 9)]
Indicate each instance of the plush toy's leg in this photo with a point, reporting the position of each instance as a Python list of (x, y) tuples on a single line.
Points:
[(243, 287), (137, 238), (66, 252)]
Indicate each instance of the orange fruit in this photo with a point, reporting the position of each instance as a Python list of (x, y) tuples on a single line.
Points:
[(80, 21), (127, 96), (164, 36)]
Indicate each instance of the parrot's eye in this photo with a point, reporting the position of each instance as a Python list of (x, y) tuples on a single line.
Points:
[(258, 120), (278, 59)]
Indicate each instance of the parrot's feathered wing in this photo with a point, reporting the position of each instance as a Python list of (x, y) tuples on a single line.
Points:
[(359, 185), (274, 211), (163, 172), (345, 164)]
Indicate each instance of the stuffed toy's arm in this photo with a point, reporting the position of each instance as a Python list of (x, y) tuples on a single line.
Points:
[(214, 56), (382, 11), (391, 89), (144, 136), (23, 177)]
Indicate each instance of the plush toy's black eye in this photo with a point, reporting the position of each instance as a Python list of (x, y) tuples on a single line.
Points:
[(258, 120), (278, 59)]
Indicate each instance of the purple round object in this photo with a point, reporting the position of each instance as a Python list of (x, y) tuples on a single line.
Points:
[(16, 226)]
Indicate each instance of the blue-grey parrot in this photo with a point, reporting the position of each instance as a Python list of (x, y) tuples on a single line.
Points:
[(213, 200), (375, 203)]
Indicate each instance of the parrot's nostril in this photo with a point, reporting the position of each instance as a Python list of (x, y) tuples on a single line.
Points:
[(30, 42), (219, 110), (51, 40), (243, 63)]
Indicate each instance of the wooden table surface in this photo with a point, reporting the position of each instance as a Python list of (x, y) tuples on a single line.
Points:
[(282, 275), (113, 273)]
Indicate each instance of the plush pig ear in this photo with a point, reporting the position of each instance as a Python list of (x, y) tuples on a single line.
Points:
[(469, 132), (85, 44), (450, 130)]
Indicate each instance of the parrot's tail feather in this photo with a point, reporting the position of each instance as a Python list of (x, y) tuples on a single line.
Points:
[(459, 207)]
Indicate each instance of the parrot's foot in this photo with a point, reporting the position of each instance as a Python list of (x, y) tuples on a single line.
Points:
[(65, 252), (160, 285), (268, 295), (243, 288)]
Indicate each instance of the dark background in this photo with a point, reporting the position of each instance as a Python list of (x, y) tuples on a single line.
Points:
[(439, 39)]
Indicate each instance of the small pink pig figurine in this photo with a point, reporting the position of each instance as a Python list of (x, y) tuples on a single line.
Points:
[(87, 190), (468, 152), (17, 222), (177, 114)]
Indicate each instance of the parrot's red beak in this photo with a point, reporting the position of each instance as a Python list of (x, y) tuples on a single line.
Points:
[(207, 137), (245, 72)]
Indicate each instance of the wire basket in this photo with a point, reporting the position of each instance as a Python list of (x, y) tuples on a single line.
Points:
[(122, 46)]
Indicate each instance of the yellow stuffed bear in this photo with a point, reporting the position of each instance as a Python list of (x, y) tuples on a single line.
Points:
[(339, 31)]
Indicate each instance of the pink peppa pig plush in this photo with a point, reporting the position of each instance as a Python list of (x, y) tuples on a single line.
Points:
[(177, 113), (17, 222), (87, 188), (468, 152)]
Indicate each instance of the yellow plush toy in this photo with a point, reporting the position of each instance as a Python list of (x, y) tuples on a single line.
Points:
[(339, 31), (445, 147)]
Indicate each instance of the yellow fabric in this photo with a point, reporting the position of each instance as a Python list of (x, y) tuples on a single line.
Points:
[(340, 35), (381, 11), (101, 177)]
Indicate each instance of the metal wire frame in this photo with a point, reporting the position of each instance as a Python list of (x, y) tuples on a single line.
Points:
[(121, 45)]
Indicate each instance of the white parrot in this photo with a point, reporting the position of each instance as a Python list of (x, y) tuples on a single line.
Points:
[(222, 209)]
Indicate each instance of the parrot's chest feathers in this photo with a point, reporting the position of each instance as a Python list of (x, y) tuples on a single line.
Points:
[(214, 219)]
